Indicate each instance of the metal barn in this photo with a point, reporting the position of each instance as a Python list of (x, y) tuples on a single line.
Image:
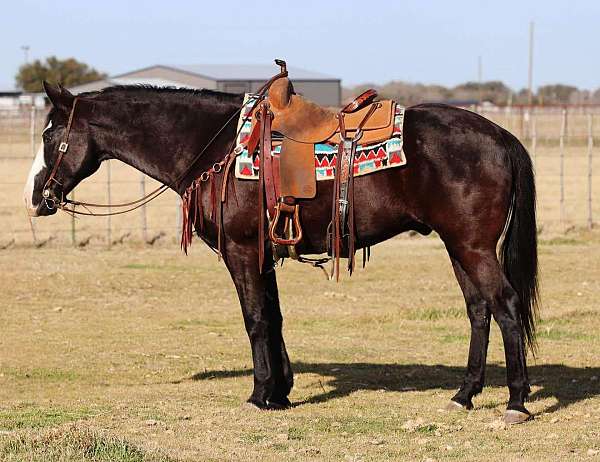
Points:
[(231, 78)]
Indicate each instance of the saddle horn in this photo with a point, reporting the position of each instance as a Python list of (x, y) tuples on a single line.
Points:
[(282, 64)]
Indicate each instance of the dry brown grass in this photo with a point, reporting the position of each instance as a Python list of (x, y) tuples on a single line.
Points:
[(146, 348)]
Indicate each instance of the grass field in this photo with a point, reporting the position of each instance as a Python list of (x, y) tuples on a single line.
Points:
[(140, 354)]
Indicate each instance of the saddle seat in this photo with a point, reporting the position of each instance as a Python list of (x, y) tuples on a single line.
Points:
[(303, 121)]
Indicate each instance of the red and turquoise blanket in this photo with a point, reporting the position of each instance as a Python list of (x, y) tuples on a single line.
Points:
[(369, 158)]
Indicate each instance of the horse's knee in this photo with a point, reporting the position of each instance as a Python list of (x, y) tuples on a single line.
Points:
[(506, 310)]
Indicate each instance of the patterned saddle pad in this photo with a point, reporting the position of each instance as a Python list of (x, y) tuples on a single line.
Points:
[(369, 158)]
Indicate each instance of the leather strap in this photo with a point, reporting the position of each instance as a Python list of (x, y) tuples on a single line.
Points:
[(161, 189), (267, 159), (266, 188), (342, 215), (361, 100), (62, 148)]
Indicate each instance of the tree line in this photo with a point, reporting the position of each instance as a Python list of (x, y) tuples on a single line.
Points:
[(70, 72), (494, 91)]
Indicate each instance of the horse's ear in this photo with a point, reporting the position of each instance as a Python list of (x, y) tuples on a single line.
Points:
[(60, 97)]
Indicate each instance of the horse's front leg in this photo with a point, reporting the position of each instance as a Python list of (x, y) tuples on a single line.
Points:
[(273, 377)]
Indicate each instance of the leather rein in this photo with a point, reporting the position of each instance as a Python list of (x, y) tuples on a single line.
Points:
[(63, 203)]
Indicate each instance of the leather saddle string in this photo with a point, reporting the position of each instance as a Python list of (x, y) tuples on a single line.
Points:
[(338, 228), (264, 183), (261, 190), (335, 213), (351, 225)]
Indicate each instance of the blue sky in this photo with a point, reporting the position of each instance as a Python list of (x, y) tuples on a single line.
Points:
[(431, 41)]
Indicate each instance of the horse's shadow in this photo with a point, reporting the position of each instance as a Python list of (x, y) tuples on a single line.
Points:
[(566, 384)]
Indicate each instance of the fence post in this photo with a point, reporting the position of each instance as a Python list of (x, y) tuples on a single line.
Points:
[(108, 218), (73, 236), (533, 136), (179, 216), (33, 154), (590, 150), (563, 126), (143, 209), (32, 225)]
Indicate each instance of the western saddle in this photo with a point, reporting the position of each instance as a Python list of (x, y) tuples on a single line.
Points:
[(297, 124)]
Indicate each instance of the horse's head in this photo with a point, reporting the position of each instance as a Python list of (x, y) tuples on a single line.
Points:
[(65, 157)]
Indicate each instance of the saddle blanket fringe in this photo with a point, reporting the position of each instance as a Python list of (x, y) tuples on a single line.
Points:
[(369, 158)]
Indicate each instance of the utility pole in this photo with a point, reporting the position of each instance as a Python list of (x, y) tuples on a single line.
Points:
[(480, 78), (25, 49), (530, 75)]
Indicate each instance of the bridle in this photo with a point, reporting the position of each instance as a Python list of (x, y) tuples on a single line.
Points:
[(63, 147), (62, 203), (69, 206)]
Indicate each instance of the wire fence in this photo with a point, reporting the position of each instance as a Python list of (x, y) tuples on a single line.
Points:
[(561, 141)]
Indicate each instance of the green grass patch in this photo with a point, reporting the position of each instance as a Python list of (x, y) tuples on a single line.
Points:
[(454, 338), (427, 429), (41, 373), (435, 314), (571, 317), (253, 438), (224, 324), (72, 443), (351, 426), (296, 433), (552, 333), (562, 241), (35, 417)]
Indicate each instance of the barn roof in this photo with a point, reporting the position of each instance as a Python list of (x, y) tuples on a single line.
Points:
[(236, 72), (248, 72)]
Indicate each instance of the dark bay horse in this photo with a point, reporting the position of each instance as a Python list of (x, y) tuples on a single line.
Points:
[(466, 178)]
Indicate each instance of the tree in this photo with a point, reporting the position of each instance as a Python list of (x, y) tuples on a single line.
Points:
[(556, 94), (67, 72), (495, 91)]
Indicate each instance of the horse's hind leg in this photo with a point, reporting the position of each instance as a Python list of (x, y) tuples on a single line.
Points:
[(486, 274), (479, 315)]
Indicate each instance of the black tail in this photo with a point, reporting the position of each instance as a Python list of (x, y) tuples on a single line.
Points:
[(519, 247)]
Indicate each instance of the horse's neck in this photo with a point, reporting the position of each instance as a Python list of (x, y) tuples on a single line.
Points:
[(164, 147)]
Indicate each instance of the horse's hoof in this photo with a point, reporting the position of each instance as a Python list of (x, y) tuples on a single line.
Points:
[(512, 417), (279, 405), (268, 405), (453, 406)]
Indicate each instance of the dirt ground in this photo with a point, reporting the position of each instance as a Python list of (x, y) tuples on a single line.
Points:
[(140, 353)]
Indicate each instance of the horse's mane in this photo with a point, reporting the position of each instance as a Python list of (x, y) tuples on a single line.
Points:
[(145, 89)]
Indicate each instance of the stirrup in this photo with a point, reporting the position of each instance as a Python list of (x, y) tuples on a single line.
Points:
[(296, 235)]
